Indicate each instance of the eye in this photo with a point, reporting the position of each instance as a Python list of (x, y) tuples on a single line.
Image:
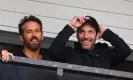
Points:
[(90, 31), (81, 31), (29, 31), (37, 30)]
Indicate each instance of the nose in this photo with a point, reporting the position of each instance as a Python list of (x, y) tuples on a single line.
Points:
[(33, 33), (86, 35)]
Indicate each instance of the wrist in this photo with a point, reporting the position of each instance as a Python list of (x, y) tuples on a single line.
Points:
[(73, 27)]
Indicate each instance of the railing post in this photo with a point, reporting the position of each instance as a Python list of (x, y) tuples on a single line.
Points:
[(60, 73)]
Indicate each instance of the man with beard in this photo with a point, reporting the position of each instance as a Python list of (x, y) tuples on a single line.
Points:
[(31, 35), (86, 51)]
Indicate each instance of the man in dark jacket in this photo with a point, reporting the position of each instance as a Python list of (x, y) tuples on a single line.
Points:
[(86, 51), (31, 35)]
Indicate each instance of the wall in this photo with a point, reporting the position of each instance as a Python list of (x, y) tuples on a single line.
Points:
[(114, 14)]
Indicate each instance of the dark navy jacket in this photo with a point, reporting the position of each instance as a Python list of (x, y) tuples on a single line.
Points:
[(101, 56)]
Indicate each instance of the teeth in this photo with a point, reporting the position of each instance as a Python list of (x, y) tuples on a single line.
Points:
[(86, 41), (34, 40)]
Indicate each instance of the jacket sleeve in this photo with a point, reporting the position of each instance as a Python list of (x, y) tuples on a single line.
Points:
[(0, 50), (58, 50), (120, 50)]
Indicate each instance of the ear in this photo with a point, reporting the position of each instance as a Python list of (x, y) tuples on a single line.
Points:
[(42, 36), (21, 38)]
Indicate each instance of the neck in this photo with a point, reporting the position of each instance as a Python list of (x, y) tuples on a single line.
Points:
[(32, 54), (92, 47)]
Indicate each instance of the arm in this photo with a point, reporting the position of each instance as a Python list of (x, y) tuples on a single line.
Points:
[(0, 49), (58, 48), (120, 49)]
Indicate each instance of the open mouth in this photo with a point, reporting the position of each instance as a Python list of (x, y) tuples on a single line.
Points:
[(34, 41), (86, 41)]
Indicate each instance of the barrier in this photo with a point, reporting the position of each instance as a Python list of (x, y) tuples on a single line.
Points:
[(27, 69)]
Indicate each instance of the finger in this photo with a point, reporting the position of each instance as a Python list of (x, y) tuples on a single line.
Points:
[(79, 19), (3, 58), (12, 57), (75, 18), (83, 19), (6, 57)]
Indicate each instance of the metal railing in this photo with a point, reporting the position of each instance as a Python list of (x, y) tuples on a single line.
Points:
[(21, 68)]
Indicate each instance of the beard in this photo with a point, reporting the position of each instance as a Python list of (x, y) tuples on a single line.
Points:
[(33, 44), (87, 43)]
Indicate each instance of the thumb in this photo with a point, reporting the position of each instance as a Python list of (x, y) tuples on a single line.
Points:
[(12, 57)]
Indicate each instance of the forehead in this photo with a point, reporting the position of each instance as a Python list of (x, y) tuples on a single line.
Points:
[(87, 27), (31, 25)]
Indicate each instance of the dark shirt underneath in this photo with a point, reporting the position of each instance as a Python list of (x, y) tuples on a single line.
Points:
[(19, 52), (0, 49)]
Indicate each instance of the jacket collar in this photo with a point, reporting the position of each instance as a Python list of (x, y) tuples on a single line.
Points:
[(94, 52)]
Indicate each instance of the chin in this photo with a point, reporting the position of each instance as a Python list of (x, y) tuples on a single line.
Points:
[(86, 47), (34, 49)]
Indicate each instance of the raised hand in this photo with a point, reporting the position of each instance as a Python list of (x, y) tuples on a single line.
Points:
[(76, 21), (100, 33)]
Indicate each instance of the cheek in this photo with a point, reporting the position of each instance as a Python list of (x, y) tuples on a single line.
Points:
[(39, 36), (80, 36), (94, 38), (27, 37)]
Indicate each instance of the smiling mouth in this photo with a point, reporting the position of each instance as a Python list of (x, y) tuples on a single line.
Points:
[(34, 41), (85, 41)]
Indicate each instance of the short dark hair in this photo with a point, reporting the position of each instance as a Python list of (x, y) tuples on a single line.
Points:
[(90, 21), (27, 19)]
